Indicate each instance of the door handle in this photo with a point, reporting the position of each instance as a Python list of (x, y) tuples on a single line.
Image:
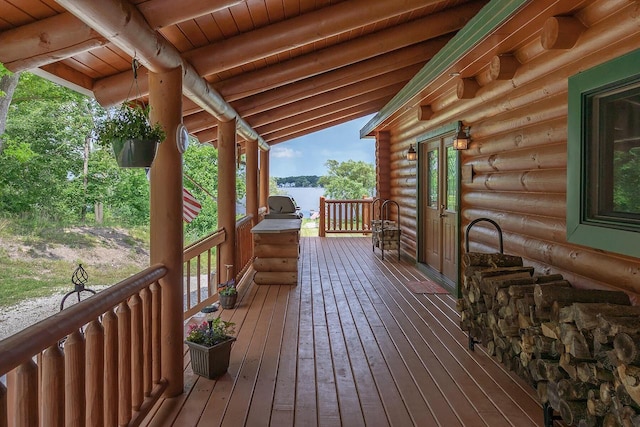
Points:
[(442, 215)]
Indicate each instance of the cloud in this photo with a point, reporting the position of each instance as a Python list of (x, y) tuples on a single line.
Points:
[(282, 152)]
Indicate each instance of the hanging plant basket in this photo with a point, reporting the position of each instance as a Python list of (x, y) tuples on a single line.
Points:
[(134, 153), (210, 362), (133, 138)]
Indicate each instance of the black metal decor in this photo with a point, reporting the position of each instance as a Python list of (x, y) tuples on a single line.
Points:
[(79, 278)]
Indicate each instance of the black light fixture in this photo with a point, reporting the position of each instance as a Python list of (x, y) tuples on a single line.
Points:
[(412, 154), (462, 138)]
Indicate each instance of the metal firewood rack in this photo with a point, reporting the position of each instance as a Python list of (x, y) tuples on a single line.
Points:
[(385, 233)]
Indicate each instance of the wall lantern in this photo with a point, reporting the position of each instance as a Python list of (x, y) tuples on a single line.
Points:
[(412, 154), (462, 138)]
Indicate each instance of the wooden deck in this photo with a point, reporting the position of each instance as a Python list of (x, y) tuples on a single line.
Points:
[(351, 345)]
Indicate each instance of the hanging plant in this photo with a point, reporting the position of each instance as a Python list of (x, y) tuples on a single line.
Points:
[(131, 135)]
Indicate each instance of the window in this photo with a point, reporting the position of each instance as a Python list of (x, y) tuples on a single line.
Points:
[(603, 170)]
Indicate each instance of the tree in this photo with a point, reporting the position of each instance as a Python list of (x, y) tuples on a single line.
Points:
[(8, 83), (348, 180), (43, 149)]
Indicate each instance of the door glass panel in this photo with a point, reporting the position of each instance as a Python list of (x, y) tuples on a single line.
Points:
[(452, 179), (432, 160)]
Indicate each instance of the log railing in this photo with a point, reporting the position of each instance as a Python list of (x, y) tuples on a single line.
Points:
[(344, 216), (94, 363), (244, 245), (202, 269), (201, 272)]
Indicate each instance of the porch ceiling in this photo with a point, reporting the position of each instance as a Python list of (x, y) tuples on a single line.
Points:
[(287, 67)]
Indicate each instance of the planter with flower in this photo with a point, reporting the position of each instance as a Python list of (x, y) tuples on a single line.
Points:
[(210, 347), (129, 132), (228, 294)]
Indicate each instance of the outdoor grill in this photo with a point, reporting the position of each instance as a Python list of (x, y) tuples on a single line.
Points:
[(283, 207)]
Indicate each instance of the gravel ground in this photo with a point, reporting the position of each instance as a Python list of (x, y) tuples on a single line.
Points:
[(27, 313)]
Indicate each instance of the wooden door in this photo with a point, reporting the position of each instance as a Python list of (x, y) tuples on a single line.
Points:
[(438, 206)]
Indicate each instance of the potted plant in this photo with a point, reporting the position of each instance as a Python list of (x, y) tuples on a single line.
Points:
[(210, 347), (228, 294), (133, 138)]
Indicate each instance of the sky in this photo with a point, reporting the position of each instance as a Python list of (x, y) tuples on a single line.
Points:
[(308, 154)]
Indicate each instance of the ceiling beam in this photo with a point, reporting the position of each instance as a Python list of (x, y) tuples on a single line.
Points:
[(415, 55), (301, 30), (349, 52), (336, 108), (358, 111), (366, 86), (62, 36), (339, 121), (46, 41), (124, 25)]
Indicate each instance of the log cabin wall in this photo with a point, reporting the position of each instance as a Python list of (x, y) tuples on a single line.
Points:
[(519, 151)]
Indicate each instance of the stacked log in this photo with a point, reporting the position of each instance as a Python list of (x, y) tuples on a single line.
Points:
[(580, 348)]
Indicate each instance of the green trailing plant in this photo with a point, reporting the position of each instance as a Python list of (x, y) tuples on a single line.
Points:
[(210, 333), (130, 121)]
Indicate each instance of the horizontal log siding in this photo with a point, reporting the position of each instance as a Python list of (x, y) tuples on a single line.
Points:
[(518, 153), (403, 191)]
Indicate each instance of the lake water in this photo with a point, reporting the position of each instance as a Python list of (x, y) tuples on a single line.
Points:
[(307, 198)]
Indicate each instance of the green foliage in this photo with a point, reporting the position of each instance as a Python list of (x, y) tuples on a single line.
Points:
[(210, 333), (298, 181), (626, 193), (129, 121), (3, 72), (42, 160), (201, 165), (348, 180)]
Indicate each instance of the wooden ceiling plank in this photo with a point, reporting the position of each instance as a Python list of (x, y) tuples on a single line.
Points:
[(209, 27), (259, 14), (384, 93), (193, 33), (14, 15), (357, 89), (249, 83), (242, 17), (323, 126), (350, 52), (162, 13), (275, 9), (377, 66), (303, 29)]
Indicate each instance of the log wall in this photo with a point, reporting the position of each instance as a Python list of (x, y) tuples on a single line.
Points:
[(518, 152)]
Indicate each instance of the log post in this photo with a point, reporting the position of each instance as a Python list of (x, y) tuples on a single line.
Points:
[(165, 95), (227, 194), (264, 178), (251, 177)]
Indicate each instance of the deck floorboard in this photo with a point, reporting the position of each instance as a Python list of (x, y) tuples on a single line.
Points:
[(351, 345)]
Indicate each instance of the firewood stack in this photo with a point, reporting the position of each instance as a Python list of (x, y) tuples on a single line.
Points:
[(580, 348)]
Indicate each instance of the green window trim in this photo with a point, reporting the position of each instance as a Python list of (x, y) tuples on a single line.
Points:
[(608, 235)]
